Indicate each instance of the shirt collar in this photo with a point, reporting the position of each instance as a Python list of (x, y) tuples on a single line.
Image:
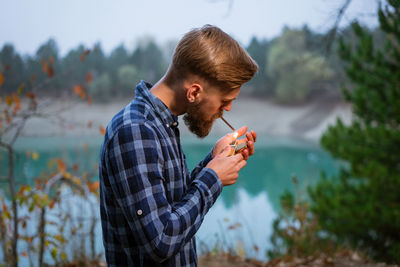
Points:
[(143, 91)]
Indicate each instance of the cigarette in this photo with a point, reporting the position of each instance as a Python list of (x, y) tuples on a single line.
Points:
[(227, 123)]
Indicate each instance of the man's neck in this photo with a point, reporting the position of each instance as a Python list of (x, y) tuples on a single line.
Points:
[(173, 98)]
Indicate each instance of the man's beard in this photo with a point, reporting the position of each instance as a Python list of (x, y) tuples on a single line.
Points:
[(195, 120)]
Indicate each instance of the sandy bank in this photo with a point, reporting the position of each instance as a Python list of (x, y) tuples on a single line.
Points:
[(306, 121)]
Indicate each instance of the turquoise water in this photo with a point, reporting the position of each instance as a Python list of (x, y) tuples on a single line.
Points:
[(244, 212)]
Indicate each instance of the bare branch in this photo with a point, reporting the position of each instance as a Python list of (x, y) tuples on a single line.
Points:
[(333, 31)]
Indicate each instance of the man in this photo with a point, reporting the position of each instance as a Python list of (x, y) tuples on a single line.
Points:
[(150, 205)]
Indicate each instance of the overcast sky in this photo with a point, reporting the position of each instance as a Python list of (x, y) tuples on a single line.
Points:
[(29, 23)]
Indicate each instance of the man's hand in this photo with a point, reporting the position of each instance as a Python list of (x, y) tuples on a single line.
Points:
[(227, 167), (230, 137)]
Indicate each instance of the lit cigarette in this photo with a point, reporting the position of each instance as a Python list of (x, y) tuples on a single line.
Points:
[(227, 123)]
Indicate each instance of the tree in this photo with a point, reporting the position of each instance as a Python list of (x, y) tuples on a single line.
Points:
[(128, 78), (11, 69), (19, 105), (149, 60), (100, 88), (258, 50), (297, 69), (362, 208)]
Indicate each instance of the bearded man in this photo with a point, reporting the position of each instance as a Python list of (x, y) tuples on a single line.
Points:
[(151, 206)]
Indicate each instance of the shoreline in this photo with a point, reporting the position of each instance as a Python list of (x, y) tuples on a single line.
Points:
[(304, 122)]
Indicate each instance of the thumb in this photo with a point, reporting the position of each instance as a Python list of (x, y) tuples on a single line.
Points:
[(241, 131)]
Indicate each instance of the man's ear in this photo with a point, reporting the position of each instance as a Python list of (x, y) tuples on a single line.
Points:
[(193, 92)]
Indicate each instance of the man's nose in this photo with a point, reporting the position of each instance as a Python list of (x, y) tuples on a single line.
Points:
[(227, 107)]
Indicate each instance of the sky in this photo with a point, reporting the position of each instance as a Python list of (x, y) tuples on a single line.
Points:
[(29, 23)]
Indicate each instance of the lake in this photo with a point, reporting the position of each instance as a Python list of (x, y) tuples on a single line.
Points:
[(243, 214)]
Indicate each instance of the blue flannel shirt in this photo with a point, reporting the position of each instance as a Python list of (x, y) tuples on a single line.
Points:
[(150, 205)]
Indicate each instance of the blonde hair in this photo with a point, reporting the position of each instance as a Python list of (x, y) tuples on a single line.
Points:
[(213, 55)]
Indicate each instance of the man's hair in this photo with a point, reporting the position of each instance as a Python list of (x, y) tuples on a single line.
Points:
[(213, 55)]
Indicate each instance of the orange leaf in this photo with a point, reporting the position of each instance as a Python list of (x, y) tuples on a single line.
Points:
[(90, 100), (51, 60), (7, 67), (102, 130), (1, 79), (80, 91), (93, 186), (30, 95), (89, 77), (8, 118), (62, 167), (50, 72), (24, 254), (44, 66), (84, 54), (33, 78), (38, 184), (75, 167), (52, 203), (17, 102)]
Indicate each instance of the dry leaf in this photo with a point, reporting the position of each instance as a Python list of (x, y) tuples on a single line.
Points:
[(50, 72), (93, 186), (1, 79), (89, 77), (7, 67), (35, 156), (62, 167), (44, 66), (102, 130), (30, 95), (75, 167), (20, 88), (90, 100), (80, 91)]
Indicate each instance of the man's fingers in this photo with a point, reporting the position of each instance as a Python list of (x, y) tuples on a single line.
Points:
[(239, 157), (250, 146), (226, 152), (241, 131), (254, 134), (245, 153), (242, 164)]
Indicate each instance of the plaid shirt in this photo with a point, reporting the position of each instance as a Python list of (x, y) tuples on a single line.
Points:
[(150, 205)]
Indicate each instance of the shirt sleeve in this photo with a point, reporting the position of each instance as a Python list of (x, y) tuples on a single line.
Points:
[(201, 165), (160, 229)]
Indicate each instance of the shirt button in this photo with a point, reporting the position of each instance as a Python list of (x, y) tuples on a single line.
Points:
[(139, 212), (167, 125), (174, 123)]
